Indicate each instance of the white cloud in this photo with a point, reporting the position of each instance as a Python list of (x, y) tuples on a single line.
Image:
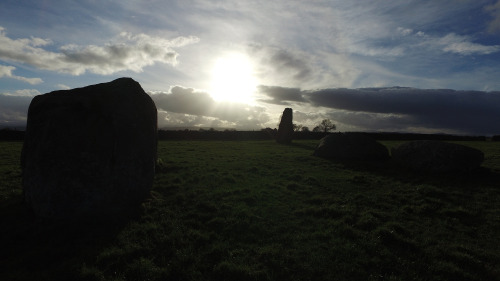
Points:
[(458, 44), (23, 93), (451, 43), (6, 71), (374, 51), (63, 87), (126, 52), (172, 120), (404, 31)]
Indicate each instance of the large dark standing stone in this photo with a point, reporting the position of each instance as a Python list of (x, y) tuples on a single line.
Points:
[(89, 150), (285, 129), (437, 156), (351, 146)]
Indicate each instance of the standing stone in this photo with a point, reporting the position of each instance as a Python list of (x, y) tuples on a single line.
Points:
[(89, 151), (285, 129)]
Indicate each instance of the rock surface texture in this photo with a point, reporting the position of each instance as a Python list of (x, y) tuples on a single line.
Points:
[(89, 151), (437, 156), (351, 146), (285, 129)]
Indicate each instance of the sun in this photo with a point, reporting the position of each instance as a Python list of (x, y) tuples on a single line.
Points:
[(232, 79)]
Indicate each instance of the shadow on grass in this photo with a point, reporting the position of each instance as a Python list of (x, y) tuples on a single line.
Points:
[(303, 146), (471, 179), (39, 249)]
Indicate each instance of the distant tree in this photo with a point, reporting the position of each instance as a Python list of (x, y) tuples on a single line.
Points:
[(271, 132), (316, 129), (326, 126), (305, 129), (296, 127)]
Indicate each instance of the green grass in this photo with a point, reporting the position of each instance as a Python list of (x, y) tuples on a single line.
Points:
[(10, 171), (255, 210)]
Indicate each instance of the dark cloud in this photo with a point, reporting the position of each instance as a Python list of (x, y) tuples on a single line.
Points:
[(281, 95), (186, 106), (184, 100), (13, 110), (291, 65), (400, 108), (284, 60), (367, 121), (460, 111), (408, 101)]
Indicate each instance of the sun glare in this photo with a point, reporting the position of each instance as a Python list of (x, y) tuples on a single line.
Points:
[(232, 79)]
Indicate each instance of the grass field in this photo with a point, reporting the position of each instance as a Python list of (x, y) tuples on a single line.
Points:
[(255, 210)]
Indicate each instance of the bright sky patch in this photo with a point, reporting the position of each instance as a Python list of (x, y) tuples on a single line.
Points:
[(233, 79)]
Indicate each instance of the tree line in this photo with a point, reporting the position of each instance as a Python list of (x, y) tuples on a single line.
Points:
[(325, 126), (299, 134)]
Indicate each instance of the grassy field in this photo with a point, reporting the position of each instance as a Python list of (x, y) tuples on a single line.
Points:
[(255, 210)]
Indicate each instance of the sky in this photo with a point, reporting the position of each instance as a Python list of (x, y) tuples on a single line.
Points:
[(392, 66)]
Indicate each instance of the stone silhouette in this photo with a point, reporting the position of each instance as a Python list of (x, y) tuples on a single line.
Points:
[(89, 151), (437, 156), (351, 146), (285, 129)]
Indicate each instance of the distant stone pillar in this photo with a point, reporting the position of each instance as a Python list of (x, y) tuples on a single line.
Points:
[(285, 129), (89, 151)]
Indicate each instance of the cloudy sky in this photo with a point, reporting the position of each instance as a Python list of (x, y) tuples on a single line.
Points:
[(408, 66)]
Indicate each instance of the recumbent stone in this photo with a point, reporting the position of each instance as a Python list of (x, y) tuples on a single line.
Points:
[(437, 156), (351, 146)]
